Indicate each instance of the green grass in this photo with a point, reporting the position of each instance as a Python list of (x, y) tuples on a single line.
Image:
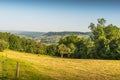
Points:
[(27, 72), (34, 67)]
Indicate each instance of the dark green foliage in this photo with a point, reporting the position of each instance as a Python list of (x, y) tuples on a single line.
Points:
[(79, 47), (14, 43), (4, 36), (63, 49), (31, 46), (52, 50), (28, 45), (114, 49), (69, 39), (84, 48), (104, 43), (22, 44), (40, 48), (3, 45), (106, 39), (70, 43)]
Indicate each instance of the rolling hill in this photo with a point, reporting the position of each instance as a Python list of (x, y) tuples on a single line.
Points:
[(64, 33), (41, 67)]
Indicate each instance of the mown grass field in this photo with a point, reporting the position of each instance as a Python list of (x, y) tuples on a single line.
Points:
[(34, 67)]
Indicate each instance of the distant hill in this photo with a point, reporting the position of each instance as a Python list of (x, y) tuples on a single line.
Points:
[(47, 37), (66, 33), (30, 34), (54, 37), (27, 34)]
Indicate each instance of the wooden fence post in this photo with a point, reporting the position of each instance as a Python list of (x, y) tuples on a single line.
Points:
[(17, 70)]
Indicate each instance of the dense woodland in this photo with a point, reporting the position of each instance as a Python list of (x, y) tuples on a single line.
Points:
[(103, 43)]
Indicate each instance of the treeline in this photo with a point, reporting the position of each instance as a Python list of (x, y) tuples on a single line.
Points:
[(104, 43), (17, 43)]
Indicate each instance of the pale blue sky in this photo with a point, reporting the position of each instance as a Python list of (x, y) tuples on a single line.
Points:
[(60, 15)]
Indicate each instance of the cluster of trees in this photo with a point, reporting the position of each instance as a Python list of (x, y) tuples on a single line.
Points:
[(13, 42), (104, 43), (106, 40), (4, 41), (75, 47)]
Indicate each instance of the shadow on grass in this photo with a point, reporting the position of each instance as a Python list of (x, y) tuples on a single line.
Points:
[(6, 78), (3, 78)]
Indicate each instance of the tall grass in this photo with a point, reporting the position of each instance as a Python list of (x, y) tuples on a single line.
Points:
[(27, 72), (34, 67)]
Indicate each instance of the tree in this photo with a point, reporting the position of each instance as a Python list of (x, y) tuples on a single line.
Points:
[(15, 43), (52, 50), (114, 49), (72, 48), (101, 22), (63, 49), (69, 39), (89, 48), (3, 45), (70, 42), (81, 51), (99, 38), (112, 32), (40, 48), (106, 39), (4, 36)]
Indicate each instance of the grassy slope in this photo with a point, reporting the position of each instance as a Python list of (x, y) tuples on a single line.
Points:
[(47, 68)]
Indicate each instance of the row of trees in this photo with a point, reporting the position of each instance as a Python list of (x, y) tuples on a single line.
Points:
[(75, 47), (104, 43), (17, 43)]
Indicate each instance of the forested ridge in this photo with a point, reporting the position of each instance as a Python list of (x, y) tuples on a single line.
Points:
[(67, 33), (103, 43)]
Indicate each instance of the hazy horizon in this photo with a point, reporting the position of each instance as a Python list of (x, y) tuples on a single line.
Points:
[(56, 15), (38, 31)]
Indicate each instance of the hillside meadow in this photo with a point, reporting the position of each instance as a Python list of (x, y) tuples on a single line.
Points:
[(42, 67)]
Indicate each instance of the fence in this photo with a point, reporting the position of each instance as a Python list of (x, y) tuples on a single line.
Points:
[(5, 70)]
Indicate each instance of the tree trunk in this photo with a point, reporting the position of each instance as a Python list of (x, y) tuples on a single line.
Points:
[(68, 55), (61, 55)]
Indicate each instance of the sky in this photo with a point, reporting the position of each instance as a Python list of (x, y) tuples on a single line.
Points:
[(56, 15)]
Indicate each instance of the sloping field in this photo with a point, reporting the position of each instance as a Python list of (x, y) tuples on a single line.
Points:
[(34, 67)]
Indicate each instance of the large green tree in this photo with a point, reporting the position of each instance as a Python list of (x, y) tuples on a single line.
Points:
[(51, 50), (63, 49), (15, 43), (3, 45), (69, 42), (105, 38)]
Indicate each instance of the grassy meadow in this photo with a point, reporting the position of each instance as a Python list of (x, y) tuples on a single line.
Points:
[(41, 67)]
